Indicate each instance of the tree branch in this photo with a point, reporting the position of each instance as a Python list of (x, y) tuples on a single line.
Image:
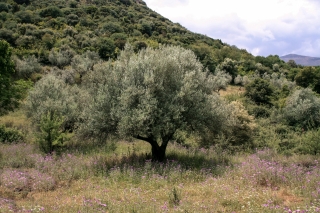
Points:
[(149, 139)]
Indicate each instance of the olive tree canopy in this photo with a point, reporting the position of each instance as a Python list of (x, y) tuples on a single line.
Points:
[(151, 95)]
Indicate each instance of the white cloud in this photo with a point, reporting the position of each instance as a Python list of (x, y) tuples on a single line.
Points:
[(262, 27)]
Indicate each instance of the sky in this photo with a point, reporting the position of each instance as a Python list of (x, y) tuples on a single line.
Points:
[(262, 27)]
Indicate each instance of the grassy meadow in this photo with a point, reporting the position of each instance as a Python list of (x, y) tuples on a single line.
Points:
[(117, 176)]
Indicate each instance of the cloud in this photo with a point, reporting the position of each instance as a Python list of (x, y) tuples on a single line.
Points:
[(262, 27)]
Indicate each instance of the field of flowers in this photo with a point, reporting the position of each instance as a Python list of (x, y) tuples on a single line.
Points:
[(118, 178)]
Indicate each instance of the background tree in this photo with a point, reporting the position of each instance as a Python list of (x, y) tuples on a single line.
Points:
[(302, 109), (229, 66), (309, 77), (7, 94), (151, 95), (260, 91)]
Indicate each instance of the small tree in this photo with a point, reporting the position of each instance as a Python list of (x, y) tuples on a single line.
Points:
[(302, 109), (151, 95), (260, 91), (52, 94), (51, 134), (7, 92)]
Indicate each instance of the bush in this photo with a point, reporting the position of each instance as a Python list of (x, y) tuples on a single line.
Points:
[(52, 11), (27, 66), (112, 27), (72, 19), (260, 91), (302, 109), (9, 135), (25, 16), (51, 135), (260, 111), (61, 57), (4, 7), (107, 48), (242, 126)]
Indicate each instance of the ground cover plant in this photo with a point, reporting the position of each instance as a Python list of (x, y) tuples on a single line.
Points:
[(191, 180)]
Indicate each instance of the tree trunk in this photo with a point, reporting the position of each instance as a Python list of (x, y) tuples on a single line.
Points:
[(158, 152)]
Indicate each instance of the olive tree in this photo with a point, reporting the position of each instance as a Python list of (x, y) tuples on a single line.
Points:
[(54, 106), (151, 95), (302, 109)]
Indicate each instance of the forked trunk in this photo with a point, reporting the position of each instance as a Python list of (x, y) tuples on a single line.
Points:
[(158, 152)]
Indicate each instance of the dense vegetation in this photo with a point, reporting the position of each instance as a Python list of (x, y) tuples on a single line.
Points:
[(89, 81)]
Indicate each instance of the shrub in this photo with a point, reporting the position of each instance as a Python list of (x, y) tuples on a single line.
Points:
[(25, 41), (51, 135), (52, 11), (61, 57), (84, 63), (25, 16), (260, 111), (242, 125), (27, 66), (4, 7), (9, 135), (302, 109), (8, 35), (107, 49), (72, 19), (260, 91)]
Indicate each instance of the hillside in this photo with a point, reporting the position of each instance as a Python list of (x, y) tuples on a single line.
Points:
[(90, 123), (302, 60), (39, 27)]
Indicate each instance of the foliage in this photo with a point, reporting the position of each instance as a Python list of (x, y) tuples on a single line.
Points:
[(242, 126), (309, 77), (106, 49), (51, 11), (260, 111), (302, 109), (310, 144), (27, 66), (52, 94), (61, 57), (8, 95), (9, 135), (85, 62), (51, 135), (153, 94), (260, 91), (4, 7), (103, 20), (229, 66)]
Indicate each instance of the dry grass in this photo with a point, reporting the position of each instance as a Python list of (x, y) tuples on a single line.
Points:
[(232, 90), (189, 182)]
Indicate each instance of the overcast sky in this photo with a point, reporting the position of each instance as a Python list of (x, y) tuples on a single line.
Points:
[(263, 27)]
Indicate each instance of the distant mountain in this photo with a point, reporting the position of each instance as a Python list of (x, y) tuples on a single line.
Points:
[(302, 60)]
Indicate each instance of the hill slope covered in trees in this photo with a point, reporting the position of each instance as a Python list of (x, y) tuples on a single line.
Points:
[(72, 27)]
